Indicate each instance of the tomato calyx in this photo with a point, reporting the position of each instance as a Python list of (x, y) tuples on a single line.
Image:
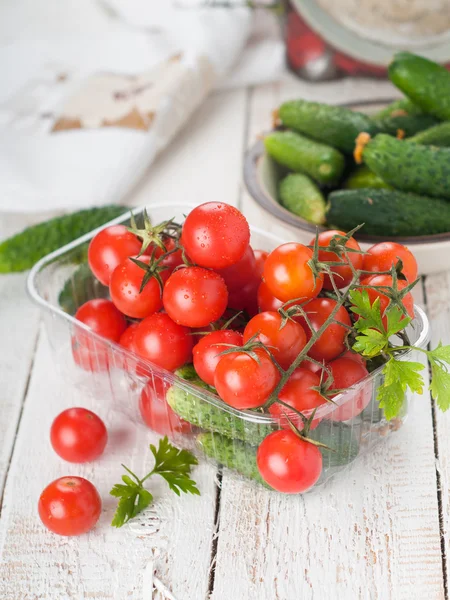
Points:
[(154, 269), (154, 234), (392, 292), (249, 348), (307, 422)]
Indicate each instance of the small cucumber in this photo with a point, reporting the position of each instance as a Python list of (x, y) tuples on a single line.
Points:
[(208, 416), (409, 167), (344, 446), (79, 288), (363, 177), (439, 135), (22, 251), (408, 124), (403, 106), (234, 454), (300, 154), (425, 82), (302, 197), (334, 125), (388, 212)]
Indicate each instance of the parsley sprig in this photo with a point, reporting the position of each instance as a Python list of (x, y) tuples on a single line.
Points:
[(171, 464)]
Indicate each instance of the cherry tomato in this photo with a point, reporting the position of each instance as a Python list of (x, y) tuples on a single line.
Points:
[(312, 367), (246, 298), (347, 372), (386, 281), (288, 274), (298, 392), (215, 235), (171, 260), (243, 382), (109, 248), (89, 354), (353, 356), (382, 257), (285, 341), (266, 300), (207, 352), (342, 275), (103, 318), (288, 463), (125, 285), (238, 275), (156, 412), (163, 342), (260, 261), (195, 297), (332, 341), (70, 506), (127, 338), (78, 435)]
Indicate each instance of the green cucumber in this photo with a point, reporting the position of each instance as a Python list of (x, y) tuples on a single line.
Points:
[(425, 82), (409, 167), (302, 155), (234, 454), (340, 438), (403, 106), (23, 250), (363, 177), (201, 413), (302, 197), (79, 288), (388, 212), (439, 135), (409, 124), (334, 125)]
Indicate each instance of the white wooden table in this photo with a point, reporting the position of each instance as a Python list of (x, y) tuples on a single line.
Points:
[(379, 532)]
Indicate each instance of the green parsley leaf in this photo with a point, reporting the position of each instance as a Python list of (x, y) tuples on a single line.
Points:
[(440, 386), (441, 353), (133, 500), (369, 314), (370, 343), (398, 376), (396, 320)]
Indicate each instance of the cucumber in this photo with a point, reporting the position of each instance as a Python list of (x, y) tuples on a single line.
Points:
[(300, 154), (409, 167), (334, 125), (79, 288), (302, 197), (403, 106), (388, 212), (234, 454), (23, 250), (409, 124), (439, 135), (343, 444), (425, 82), (363, 177), (201, 413)]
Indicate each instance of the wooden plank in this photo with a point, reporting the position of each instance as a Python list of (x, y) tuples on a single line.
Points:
[(437, 289)]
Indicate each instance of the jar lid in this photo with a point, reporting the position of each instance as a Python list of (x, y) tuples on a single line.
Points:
[(373, 30)]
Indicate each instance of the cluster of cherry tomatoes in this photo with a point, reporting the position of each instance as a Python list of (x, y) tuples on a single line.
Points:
[(174, 290)]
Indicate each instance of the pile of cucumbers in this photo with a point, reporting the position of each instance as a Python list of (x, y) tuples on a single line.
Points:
[(396, 181)]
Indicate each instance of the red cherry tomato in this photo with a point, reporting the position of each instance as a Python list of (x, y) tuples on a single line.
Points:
[(127, 338), (246, 298), (109, 248), (125, 285), (266, 300), (260, 261), (386, 281), (163, 342), (156, 412), (70, 506), (353, 356), (347, 372), (332, 341), (90, 355), (78, 435), (103, 318), (215, 235), (195, 297), (342, 275), (382, 257), (288, 463), (285, 341), (170, 261), (243, 382), (206, 353), (288, 274), (298, 392), (238, 275)]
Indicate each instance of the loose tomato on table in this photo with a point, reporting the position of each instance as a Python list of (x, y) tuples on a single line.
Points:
[(342, 275), (156, 412), (332, 341), (383, 256), (109, 248), (206, 354), (288, 463), (78, 435), (215, 235), (284, 340), (70, 506), (162, 341), (125, 288), (289, 275), (195, 297), (385, 281), (243, 381), (347, 372)]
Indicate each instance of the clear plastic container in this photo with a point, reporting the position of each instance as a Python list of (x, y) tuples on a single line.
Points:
[(61, 282)]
